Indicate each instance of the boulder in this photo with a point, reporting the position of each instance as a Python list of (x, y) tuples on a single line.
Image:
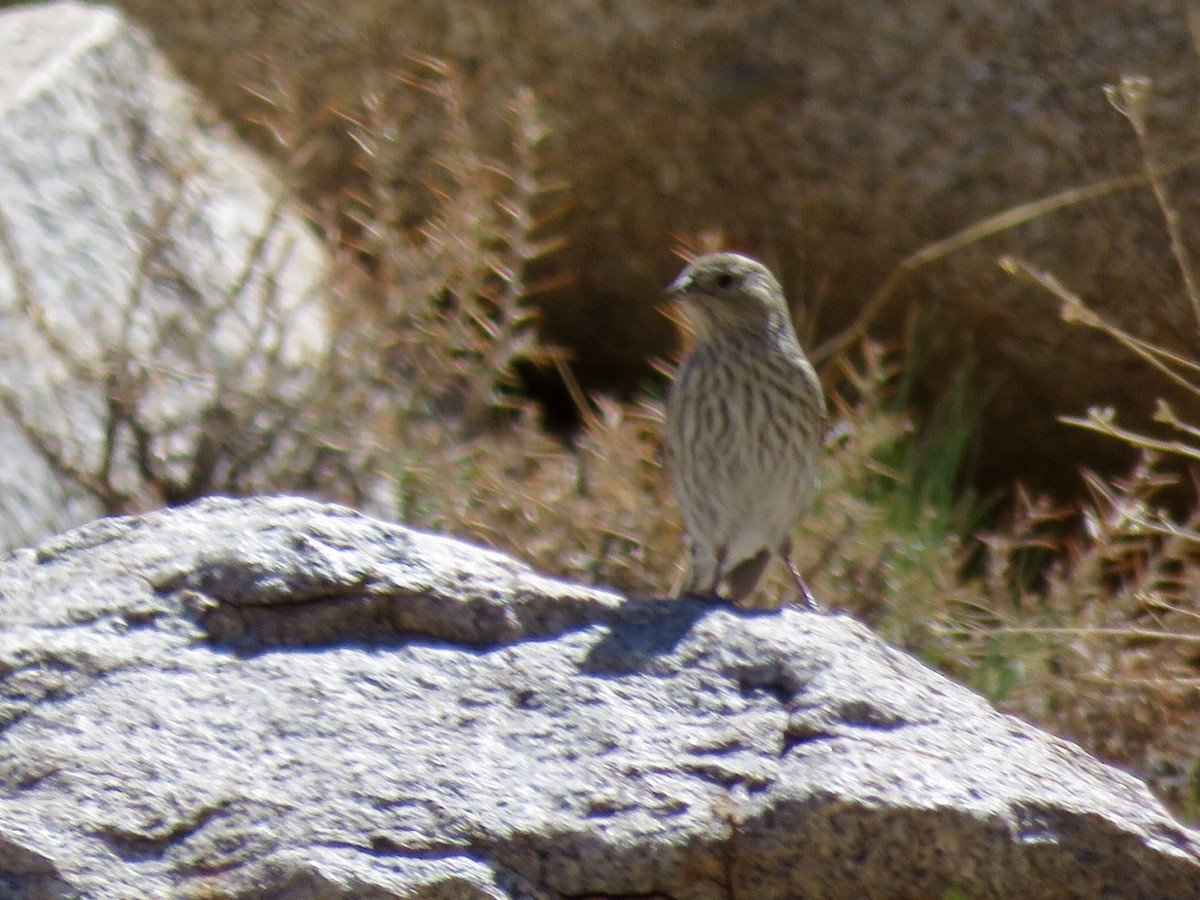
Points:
[(275, 698), (150, 273)]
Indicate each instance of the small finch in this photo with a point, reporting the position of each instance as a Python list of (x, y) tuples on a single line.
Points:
[(745, 427)]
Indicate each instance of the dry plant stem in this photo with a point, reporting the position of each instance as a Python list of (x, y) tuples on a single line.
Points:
[(1075, 310), (1129, 97), (28, 306), (1104, 425), (973, 234), (1165, 414), (1125, 681), (47, 446), (126, 376), (1123, 632), (574, 389)]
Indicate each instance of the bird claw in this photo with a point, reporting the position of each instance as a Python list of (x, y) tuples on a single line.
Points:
[(808, 601)]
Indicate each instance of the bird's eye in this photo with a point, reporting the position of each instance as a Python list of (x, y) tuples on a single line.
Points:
[(724, 280)]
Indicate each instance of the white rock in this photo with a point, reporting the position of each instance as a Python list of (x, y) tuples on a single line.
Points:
[(130, 221)]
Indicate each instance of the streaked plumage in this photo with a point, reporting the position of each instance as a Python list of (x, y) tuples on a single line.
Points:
[(745, 426)]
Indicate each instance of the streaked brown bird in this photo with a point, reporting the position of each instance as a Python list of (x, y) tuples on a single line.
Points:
[(745, 427)]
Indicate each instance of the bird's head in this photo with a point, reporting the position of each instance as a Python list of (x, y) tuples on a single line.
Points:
[(724, 293)]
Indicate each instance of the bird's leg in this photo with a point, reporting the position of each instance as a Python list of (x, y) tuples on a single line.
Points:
[(714, 590), (744, 576), (805, 594), (702, 573)]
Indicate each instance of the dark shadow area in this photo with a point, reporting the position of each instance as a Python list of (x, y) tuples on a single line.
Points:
[(641, 630)]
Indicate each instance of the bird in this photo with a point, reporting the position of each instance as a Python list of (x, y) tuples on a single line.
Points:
[(746, 422)]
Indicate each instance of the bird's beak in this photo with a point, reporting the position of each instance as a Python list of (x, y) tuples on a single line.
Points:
[(686, 312), (679, 286)]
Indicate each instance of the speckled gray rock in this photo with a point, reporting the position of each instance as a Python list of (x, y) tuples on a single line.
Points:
[(275, 698), (134, 233)]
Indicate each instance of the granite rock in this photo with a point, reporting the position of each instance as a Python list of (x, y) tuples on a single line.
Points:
[(276, 698)]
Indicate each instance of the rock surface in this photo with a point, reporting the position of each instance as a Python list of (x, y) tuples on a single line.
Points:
[(147, 270), (833, 139), (275, 698)]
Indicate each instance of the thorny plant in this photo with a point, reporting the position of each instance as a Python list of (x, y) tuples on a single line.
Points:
[(446, 302), (451, 291)]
